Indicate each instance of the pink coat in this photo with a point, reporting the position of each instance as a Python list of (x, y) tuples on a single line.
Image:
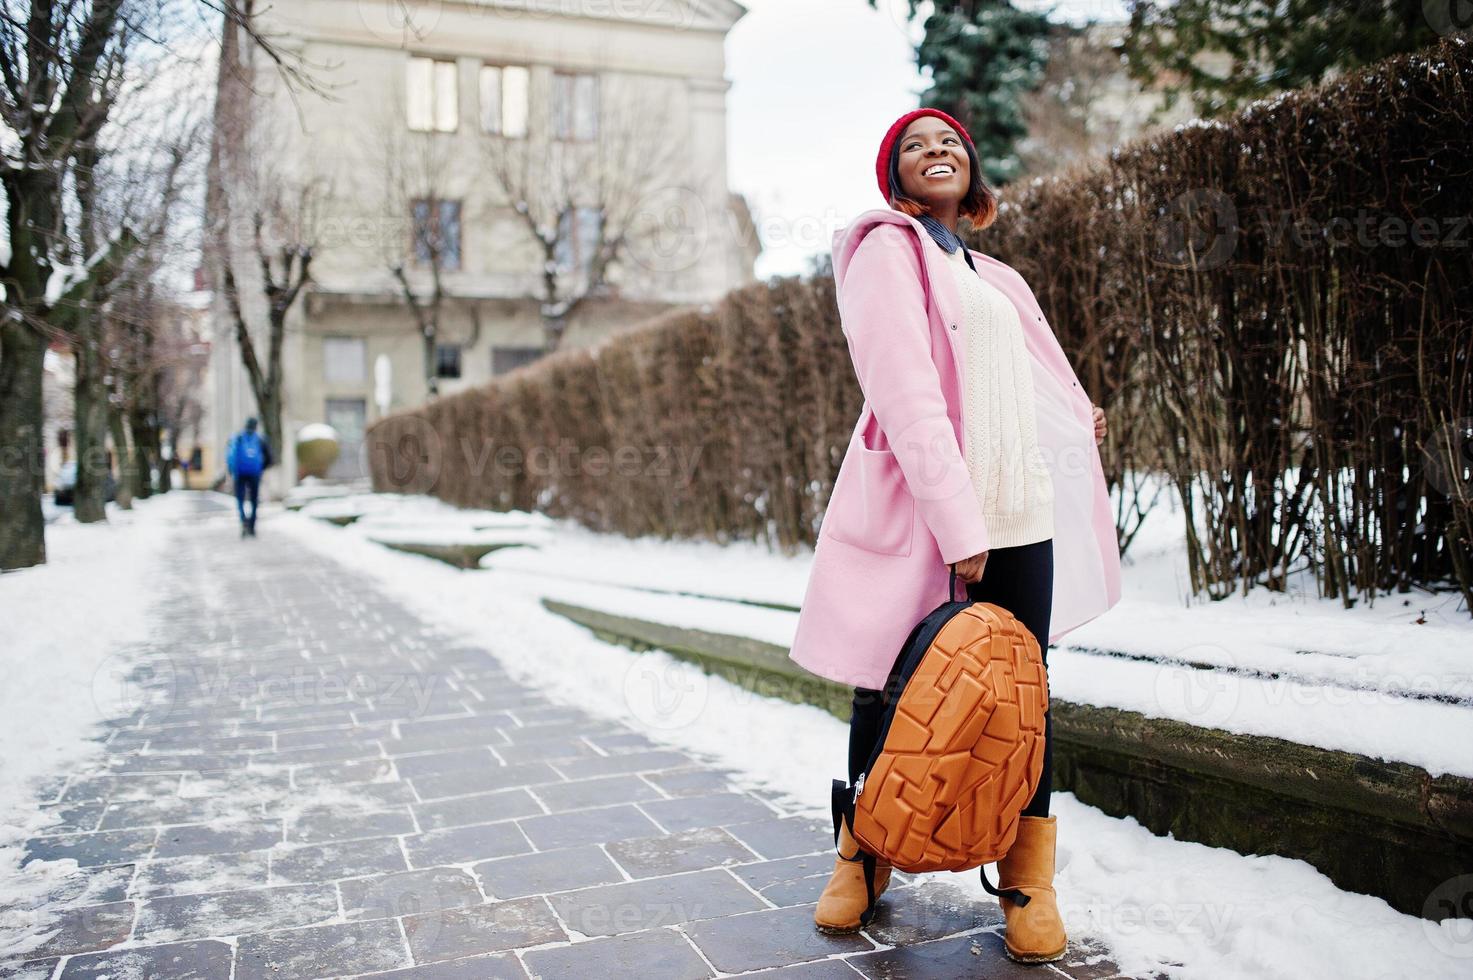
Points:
[(903, 507)]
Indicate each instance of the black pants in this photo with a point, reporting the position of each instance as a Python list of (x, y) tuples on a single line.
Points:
[(1021, 580), (249, 488)]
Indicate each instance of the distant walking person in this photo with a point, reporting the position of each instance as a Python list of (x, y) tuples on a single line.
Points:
[(247, 457)]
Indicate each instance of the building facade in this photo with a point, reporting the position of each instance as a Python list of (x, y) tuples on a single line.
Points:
[(492, 159)]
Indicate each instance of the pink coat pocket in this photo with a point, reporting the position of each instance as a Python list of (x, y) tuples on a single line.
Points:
[(870, 507)]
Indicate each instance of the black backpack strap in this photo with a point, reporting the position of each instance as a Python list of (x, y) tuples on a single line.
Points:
[(1013, 895), (842, 804)]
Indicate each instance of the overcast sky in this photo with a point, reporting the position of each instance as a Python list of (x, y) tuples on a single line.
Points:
[(815, 84)]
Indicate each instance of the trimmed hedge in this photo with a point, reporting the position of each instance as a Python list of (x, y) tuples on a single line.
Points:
[(1276, 311)]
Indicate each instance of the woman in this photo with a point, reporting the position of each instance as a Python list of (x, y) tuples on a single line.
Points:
[(974, 422)]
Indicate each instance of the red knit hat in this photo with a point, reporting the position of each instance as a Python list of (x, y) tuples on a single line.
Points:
[(882, 162)]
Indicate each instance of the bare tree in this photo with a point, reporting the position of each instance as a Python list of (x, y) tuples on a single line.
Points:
[(61, 65), (418, 186), (262, 214), (586, 195)]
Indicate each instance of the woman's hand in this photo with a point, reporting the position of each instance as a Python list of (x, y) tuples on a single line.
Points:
[(1099, 416), (969, 570)]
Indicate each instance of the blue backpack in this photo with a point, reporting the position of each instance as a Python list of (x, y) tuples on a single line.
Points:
[(248, 458)]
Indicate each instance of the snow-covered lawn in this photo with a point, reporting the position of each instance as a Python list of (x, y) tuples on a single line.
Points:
[(1159, 903), (64, 627)]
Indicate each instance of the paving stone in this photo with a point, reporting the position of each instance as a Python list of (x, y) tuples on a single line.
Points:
[(587, 827), (179, 762), (715, 810), (430, 763), (688, 850), (490, 928), (767, 939), (463, 845), (29, 970), (408, 893), (251, 784), (979, 955), (91, 886), (935, 910), (786, 836), (345, 751), (321, 951), (81, 930), (466, 781), (476, 808), (88, 850), (329, 824), (547, 871), (622, 742), (74, 818), (133, 786), (342, 859), (207, 959), (545, 750), (327, 736), (203, 873), (165, 811), (690, 782), (650, 903), (658, 954), (497, 966), (216, 839), (607, 765), (174, 917), (833, 968), (582, 794), (338, 773), (789, 881)]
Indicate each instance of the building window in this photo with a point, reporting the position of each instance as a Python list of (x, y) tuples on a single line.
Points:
[(447, 360), (432, 96), (578, 233), (504, 359), (344, 359), (574, 106), (504, 99), (437, 232)]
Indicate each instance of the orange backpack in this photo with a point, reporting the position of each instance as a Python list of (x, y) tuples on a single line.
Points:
[(960, 751)]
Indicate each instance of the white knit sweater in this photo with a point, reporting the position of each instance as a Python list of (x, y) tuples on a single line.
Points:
[(1007, 468)]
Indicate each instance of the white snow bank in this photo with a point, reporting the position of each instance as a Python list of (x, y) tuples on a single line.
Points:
[(61, 625)]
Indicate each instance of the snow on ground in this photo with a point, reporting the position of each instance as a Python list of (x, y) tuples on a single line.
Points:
[(61, 627), (1371, 680), (1160, 904)]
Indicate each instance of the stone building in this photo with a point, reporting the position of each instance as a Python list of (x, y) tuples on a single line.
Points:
[(419, 155)]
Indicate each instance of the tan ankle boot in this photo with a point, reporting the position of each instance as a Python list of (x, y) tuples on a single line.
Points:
[(1035, 931), (845, 900)]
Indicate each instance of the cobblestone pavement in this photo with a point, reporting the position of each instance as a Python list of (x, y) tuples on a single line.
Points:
[(325, 786)]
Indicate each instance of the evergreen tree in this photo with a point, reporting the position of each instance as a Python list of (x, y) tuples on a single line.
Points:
[(1226, 53), (984, 55)]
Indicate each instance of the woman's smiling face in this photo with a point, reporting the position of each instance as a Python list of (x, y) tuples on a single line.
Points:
[(933, 163)]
